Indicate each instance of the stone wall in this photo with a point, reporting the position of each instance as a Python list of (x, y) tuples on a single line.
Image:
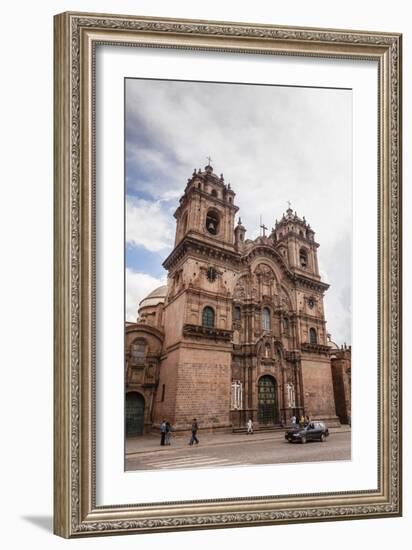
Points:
[(341, 374), (203, 393), (319, 401)]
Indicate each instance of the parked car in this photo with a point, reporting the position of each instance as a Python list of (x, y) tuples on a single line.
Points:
[(311, 432)]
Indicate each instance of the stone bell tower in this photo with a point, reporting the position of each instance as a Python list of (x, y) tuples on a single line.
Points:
[(296, 240), (206, 209), (195, 376)]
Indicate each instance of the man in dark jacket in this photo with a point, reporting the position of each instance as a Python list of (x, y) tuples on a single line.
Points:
[(162, 432), (194, 438)]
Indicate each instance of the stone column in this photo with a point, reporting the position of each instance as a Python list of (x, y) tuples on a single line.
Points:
[(245, 382), (282, 404), (315, 257), (253, 324), (253, 384), (249, 388), (299, 385), (298, 332)]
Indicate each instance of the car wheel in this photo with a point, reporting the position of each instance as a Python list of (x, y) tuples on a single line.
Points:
[(322, 438), (303, 439)]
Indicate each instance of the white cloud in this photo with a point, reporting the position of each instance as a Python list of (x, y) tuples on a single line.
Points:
[(273, 144), (138, 286), (148, 225)]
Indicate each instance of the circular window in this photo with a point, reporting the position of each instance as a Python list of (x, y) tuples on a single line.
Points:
[(311, 303)]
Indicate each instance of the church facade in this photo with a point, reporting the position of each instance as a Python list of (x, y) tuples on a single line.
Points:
[(239, 331)]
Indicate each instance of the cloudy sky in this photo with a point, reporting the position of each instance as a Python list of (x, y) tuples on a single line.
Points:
[(272, 143)]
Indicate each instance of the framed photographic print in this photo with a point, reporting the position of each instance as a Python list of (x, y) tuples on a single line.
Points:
[(227, 274)]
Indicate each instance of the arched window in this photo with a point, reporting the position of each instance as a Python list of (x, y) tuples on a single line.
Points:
[(313, 337), (137, 351), (208, 317), (286, 325), (266, 318), (237, 313), (212, 222), (303, 257), (214, 193)]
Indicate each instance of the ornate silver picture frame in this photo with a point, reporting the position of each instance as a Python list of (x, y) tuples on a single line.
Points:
[(77, 511)]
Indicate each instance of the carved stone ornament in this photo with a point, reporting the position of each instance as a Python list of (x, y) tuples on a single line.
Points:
[(76, 37)]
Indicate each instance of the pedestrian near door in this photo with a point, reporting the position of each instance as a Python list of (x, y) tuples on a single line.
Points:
[(250, 426)]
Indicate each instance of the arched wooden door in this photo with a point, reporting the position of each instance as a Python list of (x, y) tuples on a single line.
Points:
[(268, 409), (134, 414)]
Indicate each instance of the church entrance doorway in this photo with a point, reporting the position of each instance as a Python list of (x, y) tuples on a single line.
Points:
[(268, 410), (134, 414)]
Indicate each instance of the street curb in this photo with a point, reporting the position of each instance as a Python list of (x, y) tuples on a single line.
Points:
[(204, 445), (273, 435)]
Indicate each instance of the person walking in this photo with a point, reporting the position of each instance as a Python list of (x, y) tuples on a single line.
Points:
[(194, 438), (168, 435), (250, 426), (162, 432), (293, 420)]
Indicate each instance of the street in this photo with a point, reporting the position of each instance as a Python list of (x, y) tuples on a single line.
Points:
[(270, 449)]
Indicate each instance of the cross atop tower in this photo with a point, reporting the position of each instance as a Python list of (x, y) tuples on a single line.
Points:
[(209, 159), (262, 227)]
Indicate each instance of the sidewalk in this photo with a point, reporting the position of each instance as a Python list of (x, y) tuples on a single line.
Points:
[(151, 442)]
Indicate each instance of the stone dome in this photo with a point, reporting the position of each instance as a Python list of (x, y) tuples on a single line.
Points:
[(157, 296), (331, 344)]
